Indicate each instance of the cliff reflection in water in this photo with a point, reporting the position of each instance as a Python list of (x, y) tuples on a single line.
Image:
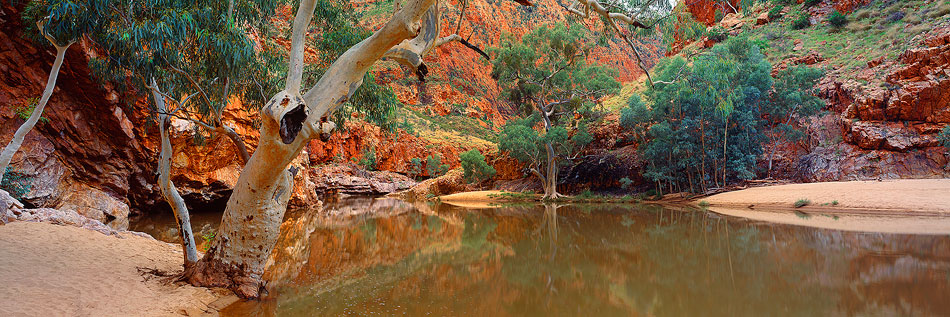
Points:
[(385, 256)]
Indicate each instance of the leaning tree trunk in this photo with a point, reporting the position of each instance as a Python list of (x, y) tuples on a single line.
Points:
[(169, 192), (251, 221), (27, 126)]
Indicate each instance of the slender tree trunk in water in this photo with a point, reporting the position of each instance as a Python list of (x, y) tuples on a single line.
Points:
[(725, 140), (550, 186), (251, 221), (27, 126), (169, 192)]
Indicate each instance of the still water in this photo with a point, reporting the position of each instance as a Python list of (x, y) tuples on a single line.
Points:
[(365, 256)]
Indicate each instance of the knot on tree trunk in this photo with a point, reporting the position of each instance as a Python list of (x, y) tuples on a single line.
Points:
[(289, 112)]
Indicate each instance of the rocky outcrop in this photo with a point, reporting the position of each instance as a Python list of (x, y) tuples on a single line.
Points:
[(887, 128), (85, 146), (350, 180)]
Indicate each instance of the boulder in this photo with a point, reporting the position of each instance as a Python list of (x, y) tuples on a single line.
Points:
[(762, 19)]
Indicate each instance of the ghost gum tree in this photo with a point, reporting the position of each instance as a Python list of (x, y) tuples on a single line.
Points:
[(249, 228), (547, 74), (60, 23)]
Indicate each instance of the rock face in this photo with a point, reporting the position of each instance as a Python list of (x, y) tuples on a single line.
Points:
[(348, 179), (85, 147), (889, 129)]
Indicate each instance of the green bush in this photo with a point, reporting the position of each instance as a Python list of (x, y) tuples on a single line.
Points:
[(368, 162), (434, 166), (837, 19), (802, 203), (801, 22), (415, 167), (717, 34), (776, 12), (15, 183), (625, 183), (944, 137), (474, 167)]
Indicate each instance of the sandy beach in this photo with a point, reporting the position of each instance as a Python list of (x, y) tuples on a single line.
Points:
[(54, 270), (905, 196), (909, 206)]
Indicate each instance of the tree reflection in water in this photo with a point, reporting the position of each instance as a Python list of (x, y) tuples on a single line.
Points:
[(392, 257)]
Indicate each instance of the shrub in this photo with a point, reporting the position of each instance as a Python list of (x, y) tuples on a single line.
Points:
[(368, 162), (625, 183), (837, 19), (801, 22), (474, 167), (776, 12), (896, 16), (802, 203), (703, 203), (717, 34), (944, 137), (434, 166), (415, 167), (15, 183), (812, 3)]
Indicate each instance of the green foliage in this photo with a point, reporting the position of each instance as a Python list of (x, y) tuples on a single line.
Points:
[(706, 126), (802, 203), (626, 182), (208, 238), (415, 168), (802, 21), (25, 110), (776, 12), (434, 166), (944, 137), (546, 70), (717, 34), (703, 203), (15, 183), (474, 167), (837, 19), (811, 3), (368, 162)]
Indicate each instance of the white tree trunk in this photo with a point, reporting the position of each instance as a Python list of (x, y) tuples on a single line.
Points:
[(549, 182), (169, 192), (250, 225), (27, 126)]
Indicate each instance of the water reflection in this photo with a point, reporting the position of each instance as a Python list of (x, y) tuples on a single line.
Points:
[(385, 256)]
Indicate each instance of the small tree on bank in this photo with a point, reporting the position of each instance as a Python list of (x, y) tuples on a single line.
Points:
[(474, 167), (546, 74), (60, 23)]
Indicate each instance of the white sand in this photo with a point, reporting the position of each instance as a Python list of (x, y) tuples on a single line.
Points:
[(53, 270), (907, 196)]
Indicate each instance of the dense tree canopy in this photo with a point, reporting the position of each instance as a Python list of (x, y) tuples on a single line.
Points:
[(708, 120)]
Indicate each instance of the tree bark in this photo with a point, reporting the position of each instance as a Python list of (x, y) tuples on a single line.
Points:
[(550, 181), (251, 221), (169, 191), (27, 126)]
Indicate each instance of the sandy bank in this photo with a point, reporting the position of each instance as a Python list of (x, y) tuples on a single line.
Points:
[(893, 206), (905, 196), (48, 269), (474, 199)]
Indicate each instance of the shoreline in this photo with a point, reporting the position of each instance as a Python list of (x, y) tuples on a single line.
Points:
[(928, 197), (903, 206)]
